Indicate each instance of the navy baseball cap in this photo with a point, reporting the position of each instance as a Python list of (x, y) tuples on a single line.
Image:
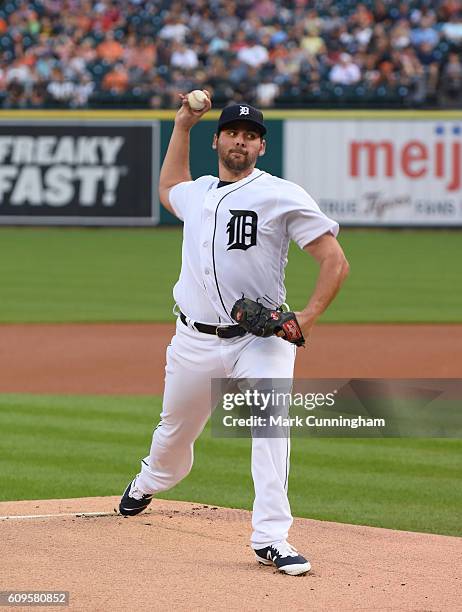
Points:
[(241, 112)]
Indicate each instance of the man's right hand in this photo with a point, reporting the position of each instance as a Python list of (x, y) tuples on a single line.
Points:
[(175, 168), (186, 118)]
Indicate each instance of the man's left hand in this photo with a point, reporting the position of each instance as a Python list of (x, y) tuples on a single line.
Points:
[(306, 323)]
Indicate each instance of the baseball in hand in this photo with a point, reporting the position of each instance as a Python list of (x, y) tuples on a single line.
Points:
[(196, 99)]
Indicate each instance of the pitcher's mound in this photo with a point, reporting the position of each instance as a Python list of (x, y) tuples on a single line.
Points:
[(187, 556)]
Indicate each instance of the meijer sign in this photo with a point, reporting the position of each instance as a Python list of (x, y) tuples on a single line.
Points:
[(379, 172)]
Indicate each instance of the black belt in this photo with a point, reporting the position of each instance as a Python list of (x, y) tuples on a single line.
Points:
[(222, 331)]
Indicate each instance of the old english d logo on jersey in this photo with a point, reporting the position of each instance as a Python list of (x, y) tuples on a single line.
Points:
[(242, 229)]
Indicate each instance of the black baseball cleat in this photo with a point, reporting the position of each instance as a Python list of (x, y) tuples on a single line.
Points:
[(284, 557), (133, 500)]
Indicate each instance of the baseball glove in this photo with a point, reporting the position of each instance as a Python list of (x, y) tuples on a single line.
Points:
[(261, 321)]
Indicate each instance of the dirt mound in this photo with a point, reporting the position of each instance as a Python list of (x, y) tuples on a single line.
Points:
[(186, 556)]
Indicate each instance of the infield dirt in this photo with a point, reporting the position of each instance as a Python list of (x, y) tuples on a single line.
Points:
[(129, 358)]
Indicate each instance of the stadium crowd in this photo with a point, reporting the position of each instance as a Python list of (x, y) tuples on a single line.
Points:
[(282, 53)]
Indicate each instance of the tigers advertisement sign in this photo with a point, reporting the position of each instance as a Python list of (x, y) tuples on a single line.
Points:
[(79, 174), (379, 172)]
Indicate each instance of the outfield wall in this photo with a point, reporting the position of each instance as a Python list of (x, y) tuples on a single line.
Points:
[(378, 168)]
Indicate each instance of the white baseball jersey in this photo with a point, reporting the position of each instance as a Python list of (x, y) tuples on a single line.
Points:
[(236, 239)]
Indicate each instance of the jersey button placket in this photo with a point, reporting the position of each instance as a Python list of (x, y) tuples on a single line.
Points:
[(205, 248), (206, 242)]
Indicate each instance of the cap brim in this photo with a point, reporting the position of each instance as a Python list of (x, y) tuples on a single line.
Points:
[(258, 126)]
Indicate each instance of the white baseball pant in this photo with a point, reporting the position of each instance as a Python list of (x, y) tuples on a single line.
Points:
[(193, 359)]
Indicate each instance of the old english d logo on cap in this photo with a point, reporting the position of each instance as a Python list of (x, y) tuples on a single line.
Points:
[(242, 112)]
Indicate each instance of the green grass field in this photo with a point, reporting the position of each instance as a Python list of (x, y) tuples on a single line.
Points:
[(58, 447), (128, 275)]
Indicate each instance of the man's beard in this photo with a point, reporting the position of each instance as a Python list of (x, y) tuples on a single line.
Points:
[(237, 163)]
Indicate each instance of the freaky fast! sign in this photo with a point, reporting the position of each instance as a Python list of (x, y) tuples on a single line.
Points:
[(91, 174), (382, 172)]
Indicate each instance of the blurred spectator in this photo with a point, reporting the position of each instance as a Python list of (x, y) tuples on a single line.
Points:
[(265, 9), (413, 75), (400, 34), (83, 91), (312, 42), (60, 91), (425, 33), (110, 50), (182, 57), (116, 80), (452, 30), (78, 53), (253, 53), (174, 29), (266, 92), (451, 91), (139, 54), (15, 96), (18, 72), (345, 71), (38, 96)]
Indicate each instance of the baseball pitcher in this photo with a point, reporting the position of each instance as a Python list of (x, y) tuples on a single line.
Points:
[(237, 230)]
